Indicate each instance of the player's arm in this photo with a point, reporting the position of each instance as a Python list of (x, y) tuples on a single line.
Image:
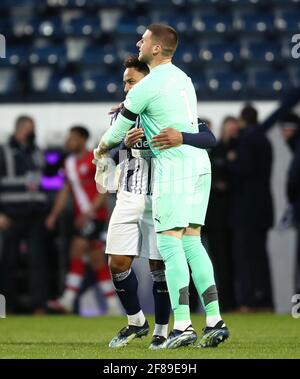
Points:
[(136, 101), (59, 204), (169, 137)]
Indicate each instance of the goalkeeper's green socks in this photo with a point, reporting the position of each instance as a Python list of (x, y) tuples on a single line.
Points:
[(203, 277), (177, 277)]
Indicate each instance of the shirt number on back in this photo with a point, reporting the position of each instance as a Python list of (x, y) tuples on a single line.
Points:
[(188, 107)]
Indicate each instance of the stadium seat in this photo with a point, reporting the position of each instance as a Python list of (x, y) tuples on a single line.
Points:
[(6, 27), (262, 52), (83, 27), (199, 82), (288, 22), (15, 56), (181, 22), (254, 23), (63, 87), (82, 87), (226, 83), (270, 84), (213, 23), (105, 86), (295, 77), (220, 52), (49, 55), (132, 26), (126, 48), (49, 28), (186, 55), (8, 82), (99, 56)]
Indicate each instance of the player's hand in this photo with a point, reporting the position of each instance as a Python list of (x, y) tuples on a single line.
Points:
[(116, 108), (133, 136), (167, 138), (99, 152), (5, 222), (50, 222)]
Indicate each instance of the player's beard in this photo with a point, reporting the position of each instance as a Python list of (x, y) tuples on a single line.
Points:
[(144, 58)]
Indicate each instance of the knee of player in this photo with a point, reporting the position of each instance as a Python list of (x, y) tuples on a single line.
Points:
[(156, 265), (118, 264)]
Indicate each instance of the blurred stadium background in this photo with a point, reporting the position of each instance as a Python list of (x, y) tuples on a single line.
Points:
[(63, 66)]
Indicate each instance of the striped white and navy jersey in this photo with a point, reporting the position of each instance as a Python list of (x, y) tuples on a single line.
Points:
[(136, 169)]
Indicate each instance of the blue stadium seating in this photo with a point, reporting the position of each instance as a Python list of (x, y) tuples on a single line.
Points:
[(212, 23), (230, 48), (49, 27), (224, 83), (288, 22), (132, 26), (270, 84), (101, 57), (8, 83), (255, 23), (15, 56), (181, 22), (220, 52), (263, 52), (48, 56), (83, 27)]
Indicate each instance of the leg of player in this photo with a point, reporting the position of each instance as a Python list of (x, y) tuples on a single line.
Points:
[(162, 304), (126, 285), (65, 303), (178, 277), (103, 277), (203, 277)]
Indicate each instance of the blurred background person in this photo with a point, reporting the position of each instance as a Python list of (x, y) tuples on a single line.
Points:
[(218, 229), (290, 130), (91, 214), (23, 207), (252, 213)]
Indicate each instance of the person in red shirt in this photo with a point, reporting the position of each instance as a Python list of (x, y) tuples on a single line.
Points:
[(90, 213)]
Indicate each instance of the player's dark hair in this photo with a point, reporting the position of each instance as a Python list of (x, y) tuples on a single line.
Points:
[(133, 62), (20, 121), (81, 131), (249, 115), (166, 37)]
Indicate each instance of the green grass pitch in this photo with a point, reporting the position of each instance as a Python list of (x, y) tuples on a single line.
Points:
[(252, 336)]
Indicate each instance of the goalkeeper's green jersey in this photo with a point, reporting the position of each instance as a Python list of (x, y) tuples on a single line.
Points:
[(165, 98)]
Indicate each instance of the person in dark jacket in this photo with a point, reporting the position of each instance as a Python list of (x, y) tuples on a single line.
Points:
[(218, 228), (22, 211), (290, 130), (252, 213)]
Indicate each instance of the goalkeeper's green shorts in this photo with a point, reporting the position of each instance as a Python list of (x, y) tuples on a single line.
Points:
[(179, 203)]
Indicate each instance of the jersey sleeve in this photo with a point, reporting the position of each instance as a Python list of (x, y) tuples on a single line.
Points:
[(117, 132), (139, 97), (204, 139), (135, 103)]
